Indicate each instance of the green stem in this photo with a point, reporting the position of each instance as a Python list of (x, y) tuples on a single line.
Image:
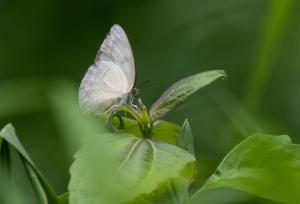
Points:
[(129, 110), (136, 116), (141, 116), (260, 74), (146, 120)]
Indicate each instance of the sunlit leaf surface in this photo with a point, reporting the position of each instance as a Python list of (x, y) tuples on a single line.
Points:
[(174, 191), (138, 166)]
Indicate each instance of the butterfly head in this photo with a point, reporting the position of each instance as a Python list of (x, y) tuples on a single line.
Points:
[(120, 100)]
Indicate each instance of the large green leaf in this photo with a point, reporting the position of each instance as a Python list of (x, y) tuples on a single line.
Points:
[(138, 167), (41, 186), (179, 92), (263, 165), (174, 191)]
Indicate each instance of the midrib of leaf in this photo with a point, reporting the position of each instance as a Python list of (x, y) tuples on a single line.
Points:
[(152, 162), (180, 98), (173, 192), (129, 154)]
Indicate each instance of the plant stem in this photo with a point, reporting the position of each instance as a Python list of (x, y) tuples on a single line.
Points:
[(146, 120), (129, 110), (141, 116)]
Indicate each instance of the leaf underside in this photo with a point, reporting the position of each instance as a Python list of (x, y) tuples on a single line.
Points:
[(179, 92), (41, 186)]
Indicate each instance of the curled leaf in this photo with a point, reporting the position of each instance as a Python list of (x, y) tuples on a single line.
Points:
[(41, 186), (162, 130)]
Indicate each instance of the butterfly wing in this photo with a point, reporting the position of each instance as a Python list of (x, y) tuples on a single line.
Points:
[(111, 76), (116, 48)]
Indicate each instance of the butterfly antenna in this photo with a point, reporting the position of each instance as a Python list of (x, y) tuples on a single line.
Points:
[(140, 85), (148, 83)]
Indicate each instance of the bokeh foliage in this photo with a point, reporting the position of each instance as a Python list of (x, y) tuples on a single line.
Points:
[(257, 42)]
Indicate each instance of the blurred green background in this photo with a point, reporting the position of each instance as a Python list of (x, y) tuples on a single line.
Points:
[(257, 42)]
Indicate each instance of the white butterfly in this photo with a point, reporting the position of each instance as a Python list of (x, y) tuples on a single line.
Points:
[(110, 80)]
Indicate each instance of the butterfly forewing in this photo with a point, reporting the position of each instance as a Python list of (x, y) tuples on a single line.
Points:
[(112, 75), (116, 49)]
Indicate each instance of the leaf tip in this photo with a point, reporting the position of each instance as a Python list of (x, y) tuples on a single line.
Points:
[(8, 127), (222, 73)]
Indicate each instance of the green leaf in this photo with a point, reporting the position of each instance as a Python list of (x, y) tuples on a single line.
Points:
[(226, 195), (130, 125), (64, 198), (263, 165), (9, 135), (162, 130), (179, 92), (186, 138), (174, 191), (5, 163), (139, 167), (165, 131), (40, 184), (148, 163)]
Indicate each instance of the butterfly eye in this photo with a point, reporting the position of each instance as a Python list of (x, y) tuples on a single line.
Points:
[(118, 100)]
